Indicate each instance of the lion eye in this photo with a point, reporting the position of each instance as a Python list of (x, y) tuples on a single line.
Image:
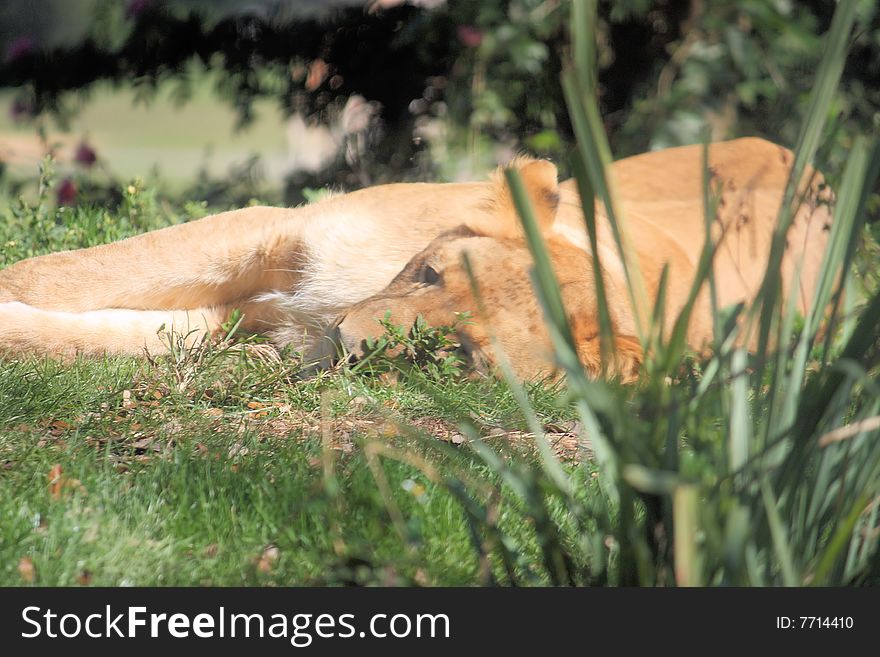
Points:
[(429, 276)]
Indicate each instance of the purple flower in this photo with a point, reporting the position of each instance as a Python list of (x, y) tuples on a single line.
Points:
[(66, 192), (470, 36), (19, 48), (134, 8), (85, 155)]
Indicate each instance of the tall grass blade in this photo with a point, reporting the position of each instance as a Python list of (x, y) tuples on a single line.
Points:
[(596, 157), (740, 422), (860, 551), (862, 348), (547, 290), (780, 540), (526, 486), (548, 286), (830, 558), (710, 211), (583, 18), (688, 560), (588, 206), (850, 240), (821, 97), (551, 464)]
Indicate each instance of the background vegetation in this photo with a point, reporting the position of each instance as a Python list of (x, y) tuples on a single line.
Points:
[(218, 466), (443, 81)]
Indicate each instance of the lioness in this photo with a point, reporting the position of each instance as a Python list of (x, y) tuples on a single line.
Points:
[(345, 261)]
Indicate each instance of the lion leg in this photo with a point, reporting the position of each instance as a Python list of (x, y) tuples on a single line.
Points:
[(28, 330), (212, 261)]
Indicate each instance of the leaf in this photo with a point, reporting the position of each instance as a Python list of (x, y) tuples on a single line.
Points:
[(27, 570), (237, 449), (268, 559), (56, 481), (127, 401), (58, 428)]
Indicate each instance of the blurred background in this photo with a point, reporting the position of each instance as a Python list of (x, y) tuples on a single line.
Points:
[(223, 102)]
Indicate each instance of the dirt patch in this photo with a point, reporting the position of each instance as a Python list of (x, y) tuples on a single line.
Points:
[(566, 439)]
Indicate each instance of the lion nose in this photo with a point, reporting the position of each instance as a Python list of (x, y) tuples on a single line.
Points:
[(333, 337), (341, 343), (333, 330), (325, 353)]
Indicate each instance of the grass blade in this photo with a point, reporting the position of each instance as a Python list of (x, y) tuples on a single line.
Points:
[(740, 423), (821, 98), (777, 532), (596, 156), (685, 505)]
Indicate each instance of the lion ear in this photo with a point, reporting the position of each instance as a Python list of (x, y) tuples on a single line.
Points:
[(539, 178)]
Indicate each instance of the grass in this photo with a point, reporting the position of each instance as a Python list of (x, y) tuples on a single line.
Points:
[(727, 473), (123, 472)]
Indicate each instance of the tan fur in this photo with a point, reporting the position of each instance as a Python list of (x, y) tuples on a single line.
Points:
[(660, 198), (294, 271)]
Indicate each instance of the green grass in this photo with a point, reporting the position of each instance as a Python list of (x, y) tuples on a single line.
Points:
[(752, 469), (171, 476)]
